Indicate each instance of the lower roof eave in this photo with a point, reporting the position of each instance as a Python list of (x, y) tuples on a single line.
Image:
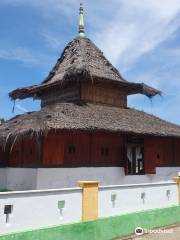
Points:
[(86, 117)]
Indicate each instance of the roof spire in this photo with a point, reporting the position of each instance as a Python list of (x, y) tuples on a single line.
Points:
[(81, 20)]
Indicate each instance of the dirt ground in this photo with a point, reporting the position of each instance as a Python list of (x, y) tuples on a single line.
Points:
[(171, 233)]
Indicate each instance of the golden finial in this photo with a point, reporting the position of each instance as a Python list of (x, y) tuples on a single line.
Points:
[(81, 20)]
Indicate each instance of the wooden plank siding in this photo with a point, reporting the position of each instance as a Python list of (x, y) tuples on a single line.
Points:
[(162, 152), (16, 155), (86, 92), (78, 149), (107, 149), (151, 150), (82, 149), (104, 94), (177, 152), (24, 154), (30, 155), (3, 160), (53, 149), (65, 94)]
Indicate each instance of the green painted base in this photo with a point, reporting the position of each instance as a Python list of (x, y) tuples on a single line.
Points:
[(103, 229)]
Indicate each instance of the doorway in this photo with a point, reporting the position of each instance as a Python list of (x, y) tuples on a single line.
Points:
[(135, 159)]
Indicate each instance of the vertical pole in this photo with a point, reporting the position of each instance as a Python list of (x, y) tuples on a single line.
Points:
[(177, 180), (89, 200), (81, 20)]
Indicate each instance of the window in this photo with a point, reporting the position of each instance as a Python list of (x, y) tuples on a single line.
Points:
[(135, 159), (104, 151), (72, 149), (30, 151)]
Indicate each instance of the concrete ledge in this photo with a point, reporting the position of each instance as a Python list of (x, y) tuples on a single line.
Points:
[(103, 229), (45, 191), (167, 183)]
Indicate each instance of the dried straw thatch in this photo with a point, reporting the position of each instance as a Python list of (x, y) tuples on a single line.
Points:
[(82, 60), (89, 117)]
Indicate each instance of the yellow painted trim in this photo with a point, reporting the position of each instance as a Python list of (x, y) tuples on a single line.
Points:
[(177, 180), (89, 200)]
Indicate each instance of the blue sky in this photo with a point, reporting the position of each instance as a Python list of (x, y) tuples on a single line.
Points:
[(140, 37)]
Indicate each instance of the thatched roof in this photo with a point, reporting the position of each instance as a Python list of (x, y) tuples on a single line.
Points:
[(82, 60), (88, 117)]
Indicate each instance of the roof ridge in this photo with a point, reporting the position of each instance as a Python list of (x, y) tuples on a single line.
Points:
[(107, 61), (84, 56)]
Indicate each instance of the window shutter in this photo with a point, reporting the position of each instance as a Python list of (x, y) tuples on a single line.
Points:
[(125, 163), (150, 152), (177, 152)]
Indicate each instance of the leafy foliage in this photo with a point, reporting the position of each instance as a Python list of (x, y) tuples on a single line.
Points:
[(2, 120)]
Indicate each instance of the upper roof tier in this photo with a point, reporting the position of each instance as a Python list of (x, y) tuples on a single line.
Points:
[(82, 56), (82, 60)]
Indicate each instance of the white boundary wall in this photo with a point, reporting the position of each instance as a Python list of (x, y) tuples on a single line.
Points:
[(35, 209), (117, 200), (40, 208)]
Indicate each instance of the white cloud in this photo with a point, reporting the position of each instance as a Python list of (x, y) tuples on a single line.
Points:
[(20, 108), (173, 53), (25, 56), (161, 71), (52, 41), (136, 28), (124, 30), (164, 107), (46, 6), (20, 54)]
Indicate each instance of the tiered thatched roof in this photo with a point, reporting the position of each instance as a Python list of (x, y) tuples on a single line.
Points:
[(89, 117), (81, 60)]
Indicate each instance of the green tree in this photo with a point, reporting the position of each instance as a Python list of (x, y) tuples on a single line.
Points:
[(2, 120)]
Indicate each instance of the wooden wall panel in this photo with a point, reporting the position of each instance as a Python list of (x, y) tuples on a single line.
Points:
[(30, 153), (168, 149), (107, 149), (177, 152), (74, 149), (53, 149), (150, 155), (163, 150), (105, 94), (77, 150), (16, 155), (68, 94), (24, 154), (2, 158), (158, 151)]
